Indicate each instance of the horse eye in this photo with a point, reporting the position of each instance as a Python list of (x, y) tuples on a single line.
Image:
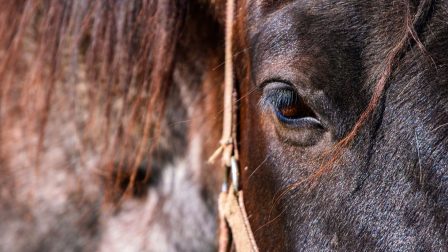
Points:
[(287, 104), (294, 121), (291, 106)]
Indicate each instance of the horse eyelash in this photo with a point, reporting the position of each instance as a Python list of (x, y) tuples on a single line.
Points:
[(276, 98)]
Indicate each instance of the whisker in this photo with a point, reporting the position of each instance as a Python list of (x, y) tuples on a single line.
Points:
[(256, 169), (270, 222), (234, 55)]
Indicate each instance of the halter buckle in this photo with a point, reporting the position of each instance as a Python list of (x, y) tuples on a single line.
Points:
[(235, 174)]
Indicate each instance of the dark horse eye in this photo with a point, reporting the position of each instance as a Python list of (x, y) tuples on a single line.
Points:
[(288, 106), (291, 106)]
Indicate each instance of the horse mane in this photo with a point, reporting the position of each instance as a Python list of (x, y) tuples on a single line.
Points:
[(121, 53)]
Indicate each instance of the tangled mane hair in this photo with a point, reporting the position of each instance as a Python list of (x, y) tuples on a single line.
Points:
[(112, 58)]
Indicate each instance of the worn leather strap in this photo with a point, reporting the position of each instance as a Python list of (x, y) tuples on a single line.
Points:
[(232, 206), (226, 148), (234, 224), (228, 136)]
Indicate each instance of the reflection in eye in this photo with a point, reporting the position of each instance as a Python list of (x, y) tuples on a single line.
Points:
[(290, 111)]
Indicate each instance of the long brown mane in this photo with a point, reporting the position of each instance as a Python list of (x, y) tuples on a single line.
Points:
[(115, 58)]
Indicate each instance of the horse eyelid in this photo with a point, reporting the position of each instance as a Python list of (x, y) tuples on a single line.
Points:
[(275, 80)]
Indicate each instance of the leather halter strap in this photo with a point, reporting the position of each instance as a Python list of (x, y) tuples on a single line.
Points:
[(234, 226)]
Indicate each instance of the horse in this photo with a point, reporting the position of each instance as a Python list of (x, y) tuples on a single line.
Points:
[(110, 110)]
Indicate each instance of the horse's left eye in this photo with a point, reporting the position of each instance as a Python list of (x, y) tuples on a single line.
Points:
[(288, 106), (295, 122)]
